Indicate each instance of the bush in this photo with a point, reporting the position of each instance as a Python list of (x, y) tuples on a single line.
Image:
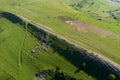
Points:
[(112, 77)]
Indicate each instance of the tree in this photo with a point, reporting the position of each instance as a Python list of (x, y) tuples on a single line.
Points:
[(112, 76)]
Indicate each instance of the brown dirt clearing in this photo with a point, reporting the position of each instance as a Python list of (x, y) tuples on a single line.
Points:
[(86, 27)]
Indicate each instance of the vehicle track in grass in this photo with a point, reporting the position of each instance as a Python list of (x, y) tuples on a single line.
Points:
[(20, 50)]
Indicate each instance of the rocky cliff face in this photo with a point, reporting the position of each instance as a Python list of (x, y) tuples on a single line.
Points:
[(81, 58)]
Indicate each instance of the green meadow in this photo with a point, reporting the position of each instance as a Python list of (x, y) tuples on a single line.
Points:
[(14, 38)]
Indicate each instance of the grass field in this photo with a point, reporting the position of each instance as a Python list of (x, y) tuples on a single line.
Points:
[(46, 12), (40, 12), (12, 37)]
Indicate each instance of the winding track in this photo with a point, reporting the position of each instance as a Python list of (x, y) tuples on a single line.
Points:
[(22, 44)]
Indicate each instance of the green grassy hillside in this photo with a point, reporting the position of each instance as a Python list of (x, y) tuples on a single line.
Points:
[(14, 40), (102, 37), (40, 11), (98, 9)]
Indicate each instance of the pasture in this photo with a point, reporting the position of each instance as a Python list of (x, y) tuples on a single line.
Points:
[(79, 27)]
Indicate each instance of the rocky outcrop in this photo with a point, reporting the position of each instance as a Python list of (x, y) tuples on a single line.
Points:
[(92, 64), (53, 75)]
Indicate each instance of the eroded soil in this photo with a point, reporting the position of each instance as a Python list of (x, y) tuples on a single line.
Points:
[(80, 26)]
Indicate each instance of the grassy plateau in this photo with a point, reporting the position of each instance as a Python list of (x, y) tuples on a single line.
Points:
[(91, 24)]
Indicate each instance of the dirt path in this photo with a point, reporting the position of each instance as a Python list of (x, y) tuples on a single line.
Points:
[(20, 51)]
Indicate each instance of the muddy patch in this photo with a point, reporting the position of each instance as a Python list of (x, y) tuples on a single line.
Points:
[(86, 27)]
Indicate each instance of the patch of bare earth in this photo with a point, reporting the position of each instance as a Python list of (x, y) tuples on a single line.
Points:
[(85, 27)]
